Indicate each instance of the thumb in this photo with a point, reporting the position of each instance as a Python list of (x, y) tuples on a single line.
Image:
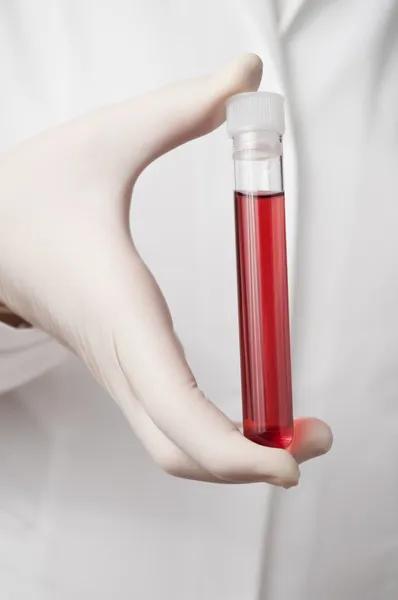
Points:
[(138, 131)]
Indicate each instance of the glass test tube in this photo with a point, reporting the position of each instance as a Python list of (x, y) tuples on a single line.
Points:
[(256, 124)]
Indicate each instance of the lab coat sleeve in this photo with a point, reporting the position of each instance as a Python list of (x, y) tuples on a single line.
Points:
[(25, 354)]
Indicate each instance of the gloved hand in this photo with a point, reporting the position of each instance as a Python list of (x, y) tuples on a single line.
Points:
[(66, 256)]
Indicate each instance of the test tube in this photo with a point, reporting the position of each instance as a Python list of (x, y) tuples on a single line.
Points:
[(256, 123)]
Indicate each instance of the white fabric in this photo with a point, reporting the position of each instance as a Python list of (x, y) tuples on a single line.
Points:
[(336, 536)]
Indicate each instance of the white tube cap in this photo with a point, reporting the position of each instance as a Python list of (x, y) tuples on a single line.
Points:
[(255, 111)]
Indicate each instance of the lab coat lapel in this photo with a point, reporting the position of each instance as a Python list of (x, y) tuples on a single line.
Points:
[(264, 14), (274, 21), (290, 12)]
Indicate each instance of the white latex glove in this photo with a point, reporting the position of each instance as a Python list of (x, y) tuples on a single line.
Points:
[(66, 257)]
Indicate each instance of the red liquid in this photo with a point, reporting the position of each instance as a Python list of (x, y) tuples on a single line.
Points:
[(264, 318)]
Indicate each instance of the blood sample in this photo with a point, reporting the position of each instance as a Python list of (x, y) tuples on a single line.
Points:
[(256, 123)]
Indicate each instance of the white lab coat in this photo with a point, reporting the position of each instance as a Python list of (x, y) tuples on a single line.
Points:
[(83, 512)]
